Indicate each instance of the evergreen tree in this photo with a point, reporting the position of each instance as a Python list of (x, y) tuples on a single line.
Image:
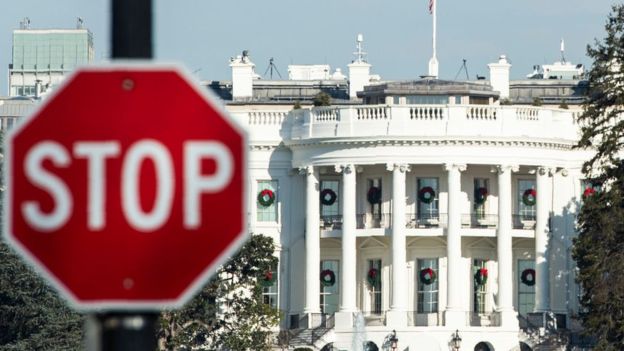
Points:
[(229, 313), (599, 248), (601, 123), (322, 99), (32, 316)]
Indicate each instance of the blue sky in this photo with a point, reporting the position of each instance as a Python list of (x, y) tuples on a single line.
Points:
[(204, 34)]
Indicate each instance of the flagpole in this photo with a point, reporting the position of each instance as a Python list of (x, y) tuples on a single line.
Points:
[(433, 63)]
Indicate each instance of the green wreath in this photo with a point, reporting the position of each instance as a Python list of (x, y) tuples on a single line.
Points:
[(481, 276), (373, 277), (481, 195), (266, 197), (328, 197), (374, 195), (328, 277), (529, 197), (268, 278), (426, 194), (427, 276), (528, 277)]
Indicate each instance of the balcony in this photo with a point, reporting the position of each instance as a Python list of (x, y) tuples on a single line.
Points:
[(425, 220), (331, 222), (369, 220), (479, 220), (453, 121), (524, 221)]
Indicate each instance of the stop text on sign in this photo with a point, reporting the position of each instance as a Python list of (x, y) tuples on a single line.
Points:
[(96, 153)]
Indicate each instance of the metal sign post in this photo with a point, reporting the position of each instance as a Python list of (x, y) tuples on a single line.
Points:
[(131, 39)]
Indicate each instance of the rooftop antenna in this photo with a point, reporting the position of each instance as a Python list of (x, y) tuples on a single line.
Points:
[(359, 54), (25, 23), (563, 60), (464, 68), (272, 67), (433, 63)]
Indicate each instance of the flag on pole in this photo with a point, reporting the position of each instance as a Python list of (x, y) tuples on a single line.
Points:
[(431, 5)]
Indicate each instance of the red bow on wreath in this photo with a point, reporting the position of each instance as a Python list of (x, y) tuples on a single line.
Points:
[(481, 276)]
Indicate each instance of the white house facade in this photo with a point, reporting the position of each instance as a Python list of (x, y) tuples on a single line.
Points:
[(416, 213)]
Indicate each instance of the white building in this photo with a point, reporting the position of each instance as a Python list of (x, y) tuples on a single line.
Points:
[(379, 192), (373, 195)]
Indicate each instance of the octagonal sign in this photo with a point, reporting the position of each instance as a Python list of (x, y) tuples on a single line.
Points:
[(126, 188)]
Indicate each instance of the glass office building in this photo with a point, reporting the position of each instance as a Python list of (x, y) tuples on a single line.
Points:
[(42, 57)]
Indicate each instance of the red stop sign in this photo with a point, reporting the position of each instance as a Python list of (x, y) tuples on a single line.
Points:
[(127, 187)]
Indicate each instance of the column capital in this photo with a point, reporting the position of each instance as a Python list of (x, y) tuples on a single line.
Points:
[(403, 167), (499, 169), (306, 170), (545, 170), (346, 168), (459, 166)]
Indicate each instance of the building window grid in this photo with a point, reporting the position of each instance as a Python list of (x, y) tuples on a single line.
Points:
[(427, 294), (479, 209), (480, 291), (270, 294), (526, 293), (376, 292), (430, 210), (330, 294), (267, 213), (525, 212), (375, 209), (333, 210)]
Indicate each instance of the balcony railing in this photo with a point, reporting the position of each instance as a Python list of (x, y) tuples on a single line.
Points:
[(433, 120), (524, 221), (479, 220), (416, 319), (425, 220), (369, 220), (331, 222), (367, 318)]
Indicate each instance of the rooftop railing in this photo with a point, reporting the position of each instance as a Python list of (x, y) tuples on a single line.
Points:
[(434, 120)]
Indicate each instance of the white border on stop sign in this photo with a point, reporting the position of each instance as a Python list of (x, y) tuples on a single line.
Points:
[(134, 305)]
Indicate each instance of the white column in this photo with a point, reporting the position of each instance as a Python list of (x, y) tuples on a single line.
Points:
[(312, 241), (504, 248), (398, 307), (454, 316), (542, 273), (348, 280)]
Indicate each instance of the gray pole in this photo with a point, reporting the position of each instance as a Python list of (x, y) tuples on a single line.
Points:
[(126, 330), (132, 29)]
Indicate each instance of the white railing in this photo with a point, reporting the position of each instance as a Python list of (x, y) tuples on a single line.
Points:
[(325, 114), (433, 120), (426, 113), (266, 118), (527, 114), (372, 112), (481, 113)]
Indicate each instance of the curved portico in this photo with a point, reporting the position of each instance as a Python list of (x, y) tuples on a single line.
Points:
[(447, 149)]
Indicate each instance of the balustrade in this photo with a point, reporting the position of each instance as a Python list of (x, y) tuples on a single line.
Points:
[(481, 113), (266, 118), (372, 112), (368, 220)]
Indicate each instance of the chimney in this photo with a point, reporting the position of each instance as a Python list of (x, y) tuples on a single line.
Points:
[(242, 77), (499, 76), (359, 70)]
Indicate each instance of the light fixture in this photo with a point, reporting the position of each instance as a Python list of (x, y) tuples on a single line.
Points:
[(394, 341), (456, 340)]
